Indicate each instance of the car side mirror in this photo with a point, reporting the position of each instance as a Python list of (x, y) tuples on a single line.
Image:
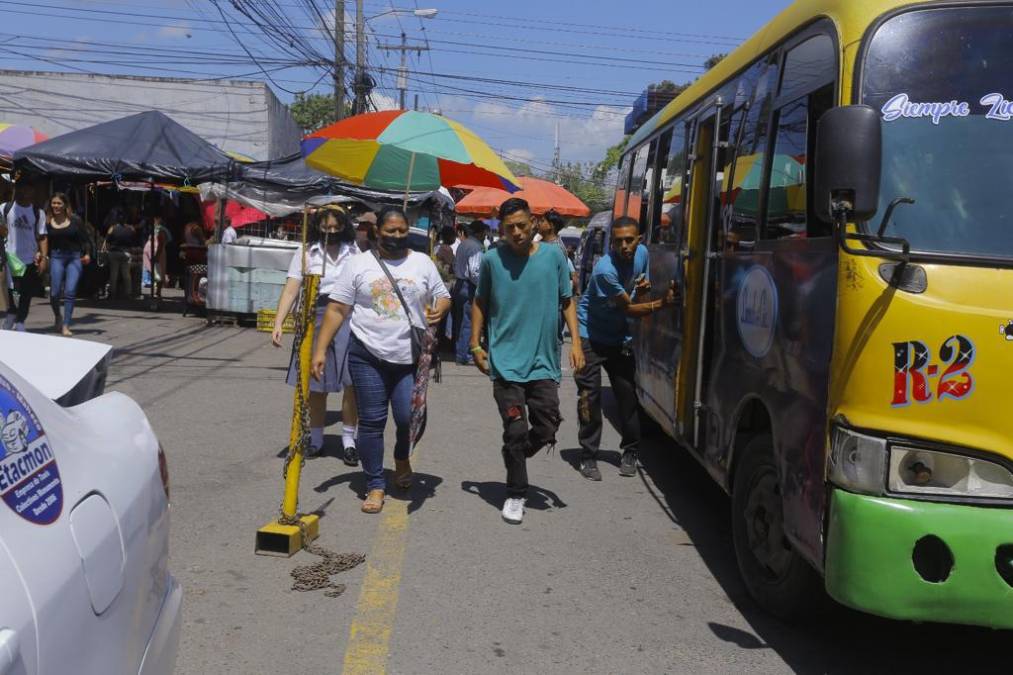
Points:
[(849, 149)]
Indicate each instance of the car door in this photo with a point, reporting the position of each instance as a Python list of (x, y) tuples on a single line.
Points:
[(18, 633)]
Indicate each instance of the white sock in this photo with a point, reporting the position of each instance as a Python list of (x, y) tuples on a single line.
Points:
[(317, 437), (19, 327), (9, 322), (348, 434)]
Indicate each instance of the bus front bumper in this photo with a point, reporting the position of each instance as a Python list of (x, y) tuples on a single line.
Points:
[(921, 561)]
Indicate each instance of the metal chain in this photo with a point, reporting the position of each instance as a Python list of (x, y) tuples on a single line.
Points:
[(315, 576)]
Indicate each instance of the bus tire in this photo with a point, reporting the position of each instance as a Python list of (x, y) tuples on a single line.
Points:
[(776, 576)]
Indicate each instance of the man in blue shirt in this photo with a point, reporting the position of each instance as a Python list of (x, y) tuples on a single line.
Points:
[(612, 298), (466, 264), (521, 286)]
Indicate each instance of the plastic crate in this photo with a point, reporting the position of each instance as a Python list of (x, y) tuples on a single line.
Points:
[(265, 322)]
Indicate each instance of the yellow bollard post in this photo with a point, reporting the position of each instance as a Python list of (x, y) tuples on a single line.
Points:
[(292, 531)]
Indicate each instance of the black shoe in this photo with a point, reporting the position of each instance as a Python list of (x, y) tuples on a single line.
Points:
[(628, 466), (589, 469), (350, 456)]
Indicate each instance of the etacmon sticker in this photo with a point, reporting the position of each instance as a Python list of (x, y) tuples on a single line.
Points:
[(756, 311), (30, 482)]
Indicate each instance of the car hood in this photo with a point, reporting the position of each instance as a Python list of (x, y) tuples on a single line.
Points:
[(65, 370)]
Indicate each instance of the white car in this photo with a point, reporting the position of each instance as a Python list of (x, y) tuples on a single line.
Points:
[(85, 587)]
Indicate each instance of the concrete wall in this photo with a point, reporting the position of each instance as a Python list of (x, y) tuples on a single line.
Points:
[(237, 116)]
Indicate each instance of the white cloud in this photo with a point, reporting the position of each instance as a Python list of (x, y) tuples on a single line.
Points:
[(522, 155)]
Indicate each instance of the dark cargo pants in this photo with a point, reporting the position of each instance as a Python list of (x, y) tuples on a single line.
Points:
[(621, 369), (521, 403)]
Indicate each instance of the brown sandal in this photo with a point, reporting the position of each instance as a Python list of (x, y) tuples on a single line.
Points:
[(373, 503), (403, 473)]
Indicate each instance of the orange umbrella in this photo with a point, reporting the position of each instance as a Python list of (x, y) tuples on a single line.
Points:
[(541, 195)]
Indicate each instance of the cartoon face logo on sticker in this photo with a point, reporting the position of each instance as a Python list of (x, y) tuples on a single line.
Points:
[(756, 311), (1006, 330), (30, 483)]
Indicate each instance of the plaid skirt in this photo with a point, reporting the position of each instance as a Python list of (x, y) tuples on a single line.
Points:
[(336, 373)]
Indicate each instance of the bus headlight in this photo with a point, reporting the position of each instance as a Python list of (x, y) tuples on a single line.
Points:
[(929, 472), (858, 462)]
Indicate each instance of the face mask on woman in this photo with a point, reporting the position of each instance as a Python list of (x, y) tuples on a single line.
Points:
[(394, 243)]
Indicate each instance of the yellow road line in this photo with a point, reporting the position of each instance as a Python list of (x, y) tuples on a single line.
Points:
[(369, 636)]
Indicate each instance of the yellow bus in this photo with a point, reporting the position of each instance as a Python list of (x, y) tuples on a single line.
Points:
[(832, 199)]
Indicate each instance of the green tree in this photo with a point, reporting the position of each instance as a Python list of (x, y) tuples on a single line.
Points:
[(580, 179), (519, 169), (714, 60), (314, 111)]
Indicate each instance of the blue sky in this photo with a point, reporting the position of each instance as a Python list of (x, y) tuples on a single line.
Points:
[(583, 45)]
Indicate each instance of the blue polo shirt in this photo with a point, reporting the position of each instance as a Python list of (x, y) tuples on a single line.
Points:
[(600, 319)]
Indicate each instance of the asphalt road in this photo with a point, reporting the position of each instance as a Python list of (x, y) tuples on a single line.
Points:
[(630, 575)]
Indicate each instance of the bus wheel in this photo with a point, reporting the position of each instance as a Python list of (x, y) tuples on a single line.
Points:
[(776, 576)]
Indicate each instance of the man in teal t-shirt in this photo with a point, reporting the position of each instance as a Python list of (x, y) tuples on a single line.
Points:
[(521, 286)]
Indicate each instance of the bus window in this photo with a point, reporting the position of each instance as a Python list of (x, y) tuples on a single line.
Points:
[(636, 205), (789, 199), (809, 66), (668, 228), (743, 212), (619, 205)]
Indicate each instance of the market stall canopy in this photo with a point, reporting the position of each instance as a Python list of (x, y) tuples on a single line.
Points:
[(541, 195), (283, 186), (145, 146)]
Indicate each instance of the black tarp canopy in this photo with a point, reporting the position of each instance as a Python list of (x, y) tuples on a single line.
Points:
[(148, 146)]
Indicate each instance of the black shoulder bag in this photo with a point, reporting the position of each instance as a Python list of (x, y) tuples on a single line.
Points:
[(418, 335)]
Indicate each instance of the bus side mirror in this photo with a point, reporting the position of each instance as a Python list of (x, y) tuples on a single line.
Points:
[(849, 149)]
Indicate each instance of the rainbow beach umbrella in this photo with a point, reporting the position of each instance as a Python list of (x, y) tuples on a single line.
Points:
[(406, 150), (13, 137)]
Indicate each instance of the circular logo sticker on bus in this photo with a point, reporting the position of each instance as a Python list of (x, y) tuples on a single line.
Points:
[(756, 311), (30, 482)]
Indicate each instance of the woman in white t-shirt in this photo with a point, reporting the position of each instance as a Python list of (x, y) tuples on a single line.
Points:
[(379, 351), (333, 245)]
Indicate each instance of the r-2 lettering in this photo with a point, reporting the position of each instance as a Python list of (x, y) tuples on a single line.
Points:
[(912, 371)]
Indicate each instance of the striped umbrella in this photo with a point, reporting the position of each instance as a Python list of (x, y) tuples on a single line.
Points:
[(13, 137), (406, 150)]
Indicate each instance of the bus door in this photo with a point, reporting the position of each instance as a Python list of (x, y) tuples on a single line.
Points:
[(701, 194)]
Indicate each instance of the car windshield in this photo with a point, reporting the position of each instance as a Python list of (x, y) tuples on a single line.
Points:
[(943, 80)]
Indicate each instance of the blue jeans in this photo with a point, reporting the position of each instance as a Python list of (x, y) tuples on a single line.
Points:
[(64, 273), (379, 384), (464, 294)]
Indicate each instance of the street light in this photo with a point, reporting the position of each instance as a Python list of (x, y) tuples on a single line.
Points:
[(360, 50), (420, 13)]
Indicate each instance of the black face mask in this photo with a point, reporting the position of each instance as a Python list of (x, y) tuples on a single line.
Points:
[(394, 244)]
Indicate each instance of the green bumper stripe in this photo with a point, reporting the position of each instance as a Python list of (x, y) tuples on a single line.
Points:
[(869, 560)]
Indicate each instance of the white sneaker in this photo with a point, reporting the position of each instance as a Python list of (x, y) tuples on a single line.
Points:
[(9, 322), (513, 510), (19, 327)]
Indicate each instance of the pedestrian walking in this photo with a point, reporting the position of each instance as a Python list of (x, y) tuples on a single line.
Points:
[(24, 227), (614, 295), (549, 227), (69, 252), (521, 286), (391, 293), (467, 261), (330, 245), (229, 234), (119, 239), (155, 273)]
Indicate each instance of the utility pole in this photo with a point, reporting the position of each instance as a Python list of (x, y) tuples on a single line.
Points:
[(402, 73), (556, 162), (339, 59), (360, 59)]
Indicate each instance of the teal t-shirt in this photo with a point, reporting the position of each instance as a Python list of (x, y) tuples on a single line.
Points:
[(521, 295)]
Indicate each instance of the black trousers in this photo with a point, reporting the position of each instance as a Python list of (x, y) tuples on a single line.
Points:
[(621, 369), (26, 286), (530, 412)]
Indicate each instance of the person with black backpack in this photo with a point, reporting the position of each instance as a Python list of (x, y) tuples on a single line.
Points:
[(27, 251)]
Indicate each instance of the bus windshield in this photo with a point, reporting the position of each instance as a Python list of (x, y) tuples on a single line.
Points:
[(943, 81)]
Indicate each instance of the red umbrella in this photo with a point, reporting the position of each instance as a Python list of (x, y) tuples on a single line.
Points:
[(237, 213), (541, 195)]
